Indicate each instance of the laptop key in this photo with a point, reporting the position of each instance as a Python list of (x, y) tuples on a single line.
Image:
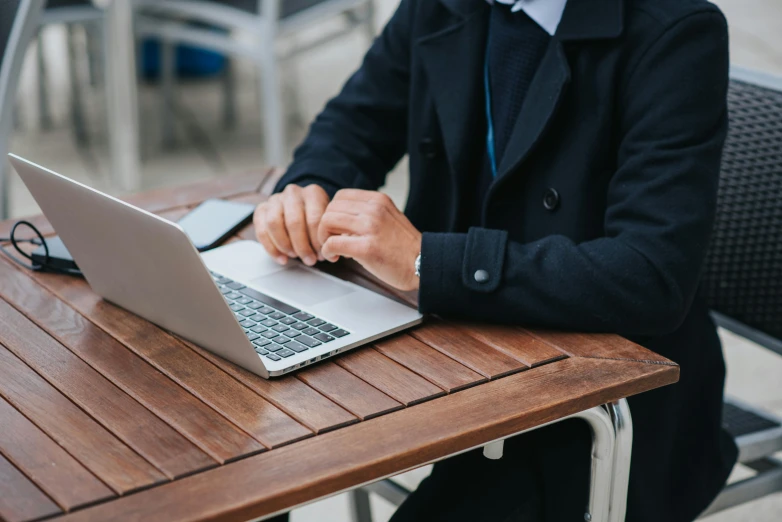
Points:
[(225, 290), (233, 285), (247, 323), (285, 353), (281, 340), (252, 336), (233, 295), (244, 301), (296, 347), (323, 337), (316, 322), (308, 341), (276, 316), (247, 312), (340, 333), (288, 320), (262, 342), (261, 351), (300, 326), (258, 329), (272, 357), (328, 327), (268, 323), (236, 307), (303, 316), (254, 305), (280, 328), (269, 334), (310, 331), (222, 280), (274, 347), (266, 310), (291, 333)]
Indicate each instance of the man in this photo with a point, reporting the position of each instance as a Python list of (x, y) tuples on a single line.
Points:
[(563, 172)]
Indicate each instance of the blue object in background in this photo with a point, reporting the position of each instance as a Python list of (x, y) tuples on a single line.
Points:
[(190, 61)]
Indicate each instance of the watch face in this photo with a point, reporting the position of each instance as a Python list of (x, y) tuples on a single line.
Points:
[(418, 265)]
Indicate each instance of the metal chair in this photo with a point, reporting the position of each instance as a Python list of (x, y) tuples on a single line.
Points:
[(743, 273), (18, 23), (264, 21)]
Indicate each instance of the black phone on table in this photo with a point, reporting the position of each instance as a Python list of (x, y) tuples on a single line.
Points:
[(214, 221)]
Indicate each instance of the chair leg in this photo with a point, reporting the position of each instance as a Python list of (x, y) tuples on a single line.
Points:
[(229, 95), (77, 105), (361, 511), (44, 111), (167, 81), (271, 106)]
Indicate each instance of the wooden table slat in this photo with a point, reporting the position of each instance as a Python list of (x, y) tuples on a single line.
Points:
[(289, 394), (115, 464), (50, 467), (347, 390), (389, 376), (128, 420), (514, 342), (429, 363), (474, 354), (191, 417), (20, 500), (370, 450), (606, 346)]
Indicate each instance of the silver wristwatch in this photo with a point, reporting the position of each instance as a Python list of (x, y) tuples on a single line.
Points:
[(418, 266)]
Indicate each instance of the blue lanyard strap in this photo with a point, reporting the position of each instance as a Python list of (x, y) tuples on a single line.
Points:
[(489, 119)]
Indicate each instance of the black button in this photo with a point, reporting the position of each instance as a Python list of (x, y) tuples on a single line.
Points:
[(551, 199), (428, 148)]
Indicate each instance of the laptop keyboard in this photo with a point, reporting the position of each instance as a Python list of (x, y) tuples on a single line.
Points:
[(276, 330)]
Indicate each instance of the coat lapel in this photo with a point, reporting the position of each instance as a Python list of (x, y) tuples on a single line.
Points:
[(453, 59)]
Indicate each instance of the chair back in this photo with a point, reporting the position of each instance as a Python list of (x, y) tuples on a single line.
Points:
[(743, 273), (18, 22)]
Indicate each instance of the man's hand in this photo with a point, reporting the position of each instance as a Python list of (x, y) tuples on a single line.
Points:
[(287, 223), (366, 226)]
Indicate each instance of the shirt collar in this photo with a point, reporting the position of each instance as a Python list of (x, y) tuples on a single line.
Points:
[(546, 13)]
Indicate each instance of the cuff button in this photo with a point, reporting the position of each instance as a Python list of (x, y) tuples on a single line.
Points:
[(482, 276)]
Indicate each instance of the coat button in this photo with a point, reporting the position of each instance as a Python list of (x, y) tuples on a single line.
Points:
[(551, 199), (428, 148), (481, 276)]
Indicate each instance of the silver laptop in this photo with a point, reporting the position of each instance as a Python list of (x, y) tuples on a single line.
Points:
[(234, 301)]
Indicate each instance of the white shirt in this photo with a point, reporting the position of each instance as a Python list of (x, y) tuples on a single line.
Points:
[(547, 13)]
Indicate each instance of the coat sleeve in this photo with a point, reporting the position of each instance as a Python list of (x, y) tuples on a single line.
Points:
[(362, 133), (640, 278)]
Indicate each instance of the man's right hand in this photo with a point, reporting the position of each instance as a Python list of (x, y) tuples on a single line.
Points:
[(287, 223)]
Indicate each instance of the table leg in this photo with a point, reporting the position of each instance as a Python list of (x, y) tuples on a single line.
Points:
[(122, 96)]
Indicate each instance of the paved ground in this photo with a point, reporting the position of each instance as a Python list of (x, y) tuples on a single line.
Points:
[(205, 149)]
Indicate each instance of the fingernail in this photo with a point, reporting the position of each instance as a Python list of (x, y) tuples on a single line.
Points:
[(309, 260), (321, 258), (282, 260)]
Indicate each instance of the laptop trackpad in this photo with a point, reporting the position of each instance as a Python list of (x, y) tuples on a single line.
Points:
[(304, 287)]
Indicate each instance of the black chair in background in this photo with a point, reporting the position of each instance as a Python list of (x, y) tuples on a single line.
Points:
[(743, 274)]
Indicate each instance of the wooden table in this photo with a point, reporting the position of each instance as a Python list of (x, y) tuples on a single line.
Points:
[(104, 416)]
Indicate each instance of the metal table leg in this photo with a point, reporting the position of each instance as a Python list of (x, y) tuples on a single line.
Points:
[(612, 444)]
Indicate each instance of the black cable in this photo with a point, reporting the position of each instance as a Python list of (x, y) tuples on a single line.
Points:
[(47, 266)]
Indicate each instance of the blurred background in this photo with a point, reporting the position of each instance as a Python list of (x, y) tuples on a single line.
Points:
[(211, 117)]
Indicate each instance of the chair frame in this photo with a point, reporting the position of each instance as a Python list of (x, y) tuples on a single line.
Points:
[(157, 18), (25, 25)]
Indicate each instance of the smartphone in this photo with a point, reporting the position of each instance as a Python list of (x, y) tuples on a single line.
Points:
[(214, 221)]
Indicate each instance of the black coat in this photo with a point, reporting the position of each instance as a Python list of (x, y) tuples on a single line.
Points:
[(600, 216)]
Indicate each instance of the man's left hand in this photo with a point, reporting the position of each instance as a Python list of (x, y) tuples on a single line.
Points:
[(366, 226)]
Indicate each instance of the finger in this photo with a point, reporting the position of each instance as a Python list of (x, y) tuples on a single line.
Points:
[(263, 238), (355, 247), (296, 225), (275, 227), (352, 207), (338, 223), (315, 204), (369, 196)]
